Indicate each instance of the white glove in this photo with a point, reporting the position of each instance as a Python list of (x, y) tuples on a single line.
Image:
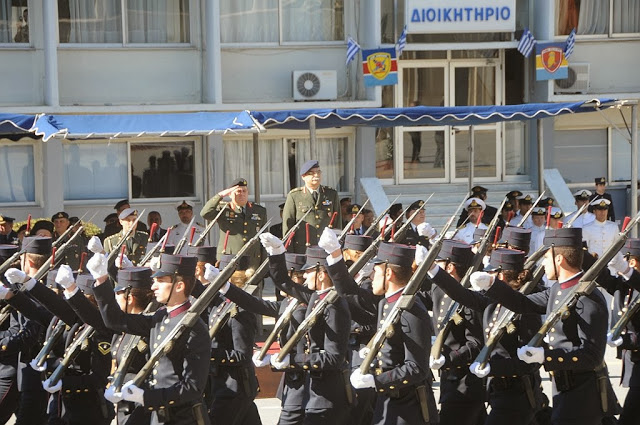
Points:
[(358, 380), (111, 395), (95, 245), (328, 241), (385, 221), (34, 365), (425, 229), (65, 276), (97, 265), (224, 288), (481, 281), (14, 275), (154, 264), (280, 365), (618, 264), (478, 371), (123, 262), (52, 389), (436, 364), (613, 342), (210, 272), (4, 291), (367, 269), (531, 354), (132, 393), (364, 352), (261, 363), (421, 254), (272, 244)]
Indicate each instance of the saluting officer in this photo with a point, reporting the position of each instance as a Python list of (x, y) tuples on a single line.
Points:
[(241, 218), (73, 252), (136, 244), (322, 200)]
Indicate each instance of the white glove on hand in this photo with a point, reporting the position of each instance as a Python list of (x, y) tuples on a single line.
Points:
[(421, 254), (478, 371), (425, 229), (51, 389), (261, 363), (211, 272), (613, 342), (34, 365), (130, 392), (272, 244), (358, 380), (280, 365), (618, 264), (97, 265), (384, 222), (481, 281), (95, 245), (328, 241), (14, 276), (364, 352), (436, 364), (224, 288), (154, 264), (122, 262), (65, 276), (531, 354), (111, 395), (4, 291)]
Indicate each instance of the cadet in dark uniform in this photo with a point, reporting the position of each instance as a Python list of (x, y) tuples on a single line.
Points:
[(516, 238), (8, 360), (322, 200), (179, 378), (136, 244), (241, 218), (419, 231), (575, 355), (73, 252), (600, 193)]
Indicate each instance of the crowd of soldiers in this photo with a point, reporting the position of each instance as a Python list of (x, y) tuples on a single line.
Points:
[(159, 327)]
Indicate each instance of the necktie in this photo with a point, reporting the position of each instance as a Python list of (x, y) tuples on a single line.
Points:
[(315, 197)]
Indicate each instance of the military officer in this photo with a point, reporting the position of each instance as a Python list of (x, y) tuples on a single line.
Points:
[(7, 235), (537, 228), (185, 213), (136, 244), (474, 207), (600, 233), (601, 184), (241, 218), (322, 200), (525, 203), (123, 205), (489, 211), (419, 232), (73, 252), (581, 198)]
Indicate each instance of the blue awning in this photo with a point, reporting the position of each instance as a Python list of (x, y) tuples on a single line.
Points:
[(144, 125), (15, 124), (422, 115)]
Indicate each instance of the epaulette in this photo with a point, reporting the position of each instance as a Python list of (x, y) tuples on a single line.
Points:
[(297, 189)]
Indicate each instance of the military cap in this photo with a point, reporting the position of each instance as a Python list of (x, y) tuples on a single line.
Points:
[(566, 236), (478, 190), (508, 206), (516, 236), (514, 194), (127, 212), (474, 203), (176, 264), (395, 209), (185, 205), (110, 217), (547, 202), (357, 242), (74, 220), (583, 194), (240, 181), (121, 204), (316, 256), (505, 259), (525, 199), (556, 213), (7, 251), (134, 277), (539, 211), (456, 252), (6, 219), (479, 233), (60, 214), (85, 282), (295, 262), (601, 180), (631, 247), (37, 245), (395, 253), (307, 166), (169, 248), (42, 224), (242, 264), (354, 208), (413, 207), (205, 254), (600, 204)]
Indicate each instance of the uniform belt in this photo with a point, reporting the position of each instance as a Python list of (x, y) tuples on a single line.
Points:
[(505, 382)]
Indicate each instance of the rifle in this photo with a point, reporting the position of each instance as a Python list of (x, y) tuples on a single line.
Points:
[(225, 313), (66, 232), (406, 298), (402, 231), (374, 225), (343, 234), (631, 310), (207, 229), (184, 237), (528, 213), (193, 314), (282, 321), (586, 284), (115, 250), (71, 353), (46, 349), (577, 214), (453, 313), (161, 243)]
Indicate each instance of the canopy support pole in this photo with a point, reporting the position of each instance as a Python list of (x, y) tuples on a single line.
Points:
[(472, 146), (256, 168), (312, 138), (540, 156), (634, 166)]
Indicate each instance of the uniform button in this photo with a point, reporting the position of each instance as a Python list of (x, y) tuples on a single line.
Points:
[(231, 361), (549, 359), (557, 301), (161, 328), (386, 306), (155, 345), (487, 330), (159, 337), (551, 338), (166, 321), (317, 226), (151, 408), (245, 223), (550, 348), (86, 390), (244, 239), (155, 372), (305, 367), (380, 390), (442, 303), (171, 402), (575, 359), (560, 359), (315, 366), (244, 231), (405, 382), (553, 329), (223, 360), (559, 292), (391, 387), (68, 391)]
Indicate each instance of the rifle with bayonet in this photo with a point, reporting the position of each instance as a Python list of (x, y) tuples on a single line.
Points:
[(225, 313), (528, 213), (576, 215), (190, 230), (159, 246), (207, 229), (282, 321), (38, 362), (346, 228), (406, 298), (400, 234), (374, 225), (621, 324), (79, 343)]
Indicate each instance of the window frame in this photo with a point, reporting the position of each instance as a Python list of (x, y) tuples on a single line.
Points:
[(617, 36), (37, 171), (14, 45)]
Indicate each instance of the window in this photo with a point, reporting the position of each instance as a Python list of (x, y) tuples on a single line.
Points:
[(575, 148), (161, 170), (14, 21), (145, 21), (598, 17), (17, 173), (95, 171), (281, 21), (620, 155)]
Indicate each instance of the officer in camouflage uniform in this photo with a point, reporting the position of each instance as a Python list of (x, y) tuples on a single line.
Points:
[(73, 252), (241, 218), (322, 199), (136, 244)]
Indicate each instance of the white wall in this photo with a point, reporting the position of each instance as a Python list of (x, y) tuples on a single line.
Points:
[(21, 77)]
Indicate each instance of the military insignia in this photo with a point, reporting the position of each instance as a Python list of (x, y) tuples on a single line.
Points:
[(474, 204), (326, 202), (231, 214), (255, 216), (104, 347), (551, 58)]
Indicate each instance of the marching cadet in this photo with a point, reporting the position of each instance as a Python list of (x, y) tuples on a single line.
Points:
[(516, 238), (326, 358), (525, 203), (575, 355), (600, 233), (241, 219), (136, 244), (322, 200), (185, 213), (474, 207), (178, 380), (601, 184), (7, 235), (8, 359), (581, 197), (512, 196), (43, 228), (419, 231), (73, 252), (538, 216)]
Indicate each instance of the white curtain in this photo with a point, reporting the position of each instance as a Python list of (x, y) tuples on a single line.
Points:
[(17, 174), (238, 162), (626, 16), (331, 156), (95, 21), (310, 20), (7, 26), (158, 21), (594, 17), (246, 21)]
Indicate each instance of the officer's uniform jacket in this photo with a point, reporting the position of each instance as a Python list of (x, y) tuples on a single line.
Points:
[(537, 238), (528, 223), (599, 235), (489, 213), (179, 378), (136, 245), (465, 233), (582, 220), (241, 226), (178, 231), (413, 238), (611, 215), (299, 201)]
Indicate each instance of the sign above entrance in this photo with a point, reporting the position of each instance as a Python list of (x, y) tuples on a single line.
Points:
[(456, 16)]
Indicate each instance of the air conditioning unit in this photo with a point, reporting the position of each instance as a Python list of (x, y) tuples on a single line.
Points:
[(576, 82), (315, 85)]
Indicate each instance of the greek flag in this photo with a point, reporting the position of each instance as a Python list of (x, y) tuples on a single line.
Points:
[(571, 43), (527, 43), (402, 42), (352, 49)]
